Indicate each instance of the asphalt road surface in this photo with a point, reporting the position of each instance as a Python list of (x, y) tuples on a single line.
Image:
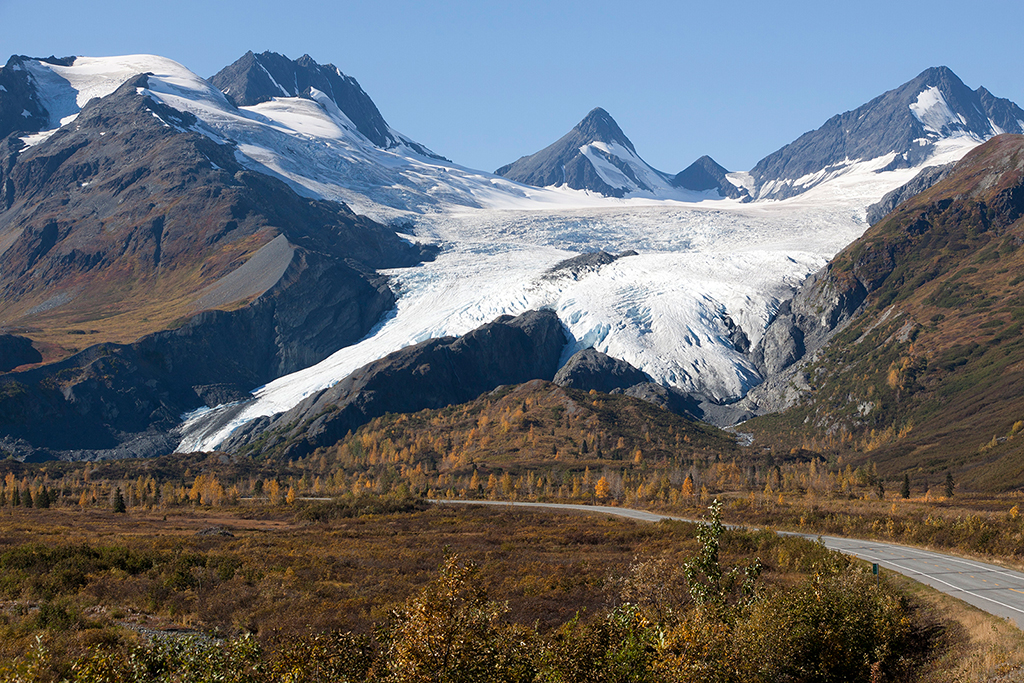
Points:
[(988, 587)]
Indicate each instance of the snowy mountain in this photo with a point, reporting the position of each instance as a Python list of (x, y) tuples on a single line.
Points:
[(934, 114), (292, 139), (255, 79), (595, 155)]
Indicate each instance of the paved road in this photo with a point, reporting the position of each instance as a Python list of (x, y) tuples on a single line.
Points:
[(994, 589)]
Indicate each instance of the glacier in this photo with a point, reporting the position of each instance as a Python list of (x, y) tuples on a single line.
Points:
[(699, 259)]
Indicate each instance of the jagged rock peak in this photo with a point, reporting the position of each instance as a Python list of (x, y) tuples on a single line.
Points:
[(906, 122), (256, 78), (599, 126)]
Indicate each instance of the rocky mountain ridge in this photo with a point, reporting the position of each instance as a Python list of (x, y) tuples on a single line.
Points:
[(907, 122)]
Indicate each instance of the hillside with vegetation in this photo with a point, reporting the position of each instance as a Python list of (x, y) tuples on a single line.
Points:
[(928, 377)]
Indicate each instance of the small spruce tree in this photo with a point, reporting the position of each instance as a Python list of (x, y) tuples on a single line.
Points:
[(949, 484), (881, 489), (26, 497), (118, 501), (905, 489)]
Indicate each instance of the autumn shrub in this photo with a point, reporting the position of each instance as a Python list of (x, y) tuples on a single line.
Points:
[(179, 660), (451, 633), (619, 647), (833, 626), (352, 505), (325, 657)]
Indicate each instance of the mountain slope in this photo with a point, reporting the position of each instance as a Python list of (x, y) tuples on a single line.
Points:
[(925, 365), (907, 125), (595, 155), (127, 220), (133, 220)]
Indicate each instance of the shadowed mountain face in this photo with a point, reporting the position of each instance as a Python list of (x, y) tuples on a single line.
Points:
[(907, 121), (20, 108), (432, 374), (909, 345)]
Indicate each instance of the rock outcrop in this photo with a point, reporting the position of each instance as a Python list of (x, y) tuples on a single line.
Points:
[(918, 184), (16, 351), (432, 374), (590, 369)]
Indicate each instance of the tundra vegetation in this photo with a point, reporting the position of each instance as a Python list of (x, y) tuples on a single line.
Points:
[(427, 593), (335, 567)]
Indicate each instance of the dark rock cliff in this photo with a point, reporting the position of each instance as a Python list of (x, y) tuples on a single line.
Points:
[(918, 184), (432, 374)]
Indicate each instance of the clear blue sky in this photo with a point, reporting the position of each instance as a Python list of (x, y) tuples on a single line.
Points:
[(484, 83)]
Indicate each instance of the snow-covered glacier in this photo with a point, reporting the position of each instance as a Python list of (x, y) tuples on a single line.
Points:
[(699, 259)]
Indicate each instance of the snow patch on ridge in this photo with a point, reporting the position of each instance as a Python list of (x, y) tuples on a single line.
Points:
[(935, 114)]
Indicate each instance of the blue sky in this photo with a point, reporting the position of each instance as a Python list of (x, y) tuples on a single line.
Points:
[(484, 83)]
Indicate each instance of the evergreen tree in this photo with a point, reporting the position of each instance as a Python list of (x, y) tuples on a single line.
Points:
[(15, 497), (118, 501), (43, 499), (949, 484), (905, 489), (881, 490), (26, 498)]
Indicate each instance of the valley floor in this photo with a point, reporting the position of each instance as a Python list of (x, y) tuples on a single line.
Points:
[(288, 573)]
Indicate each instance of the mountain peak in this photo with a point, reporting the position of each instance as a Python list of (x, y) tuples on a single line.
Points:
[(599, 126), (595, 155), (938, 72), (906, 122), (707, 174), (253, 79)]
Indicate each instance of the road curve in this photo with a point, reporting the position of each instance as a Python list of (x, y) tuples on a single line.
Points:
[(988, 587)]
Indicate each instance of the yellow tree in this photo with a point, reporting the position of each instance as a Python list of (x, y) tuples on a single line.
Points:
[(602, 489), (687, 489)]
